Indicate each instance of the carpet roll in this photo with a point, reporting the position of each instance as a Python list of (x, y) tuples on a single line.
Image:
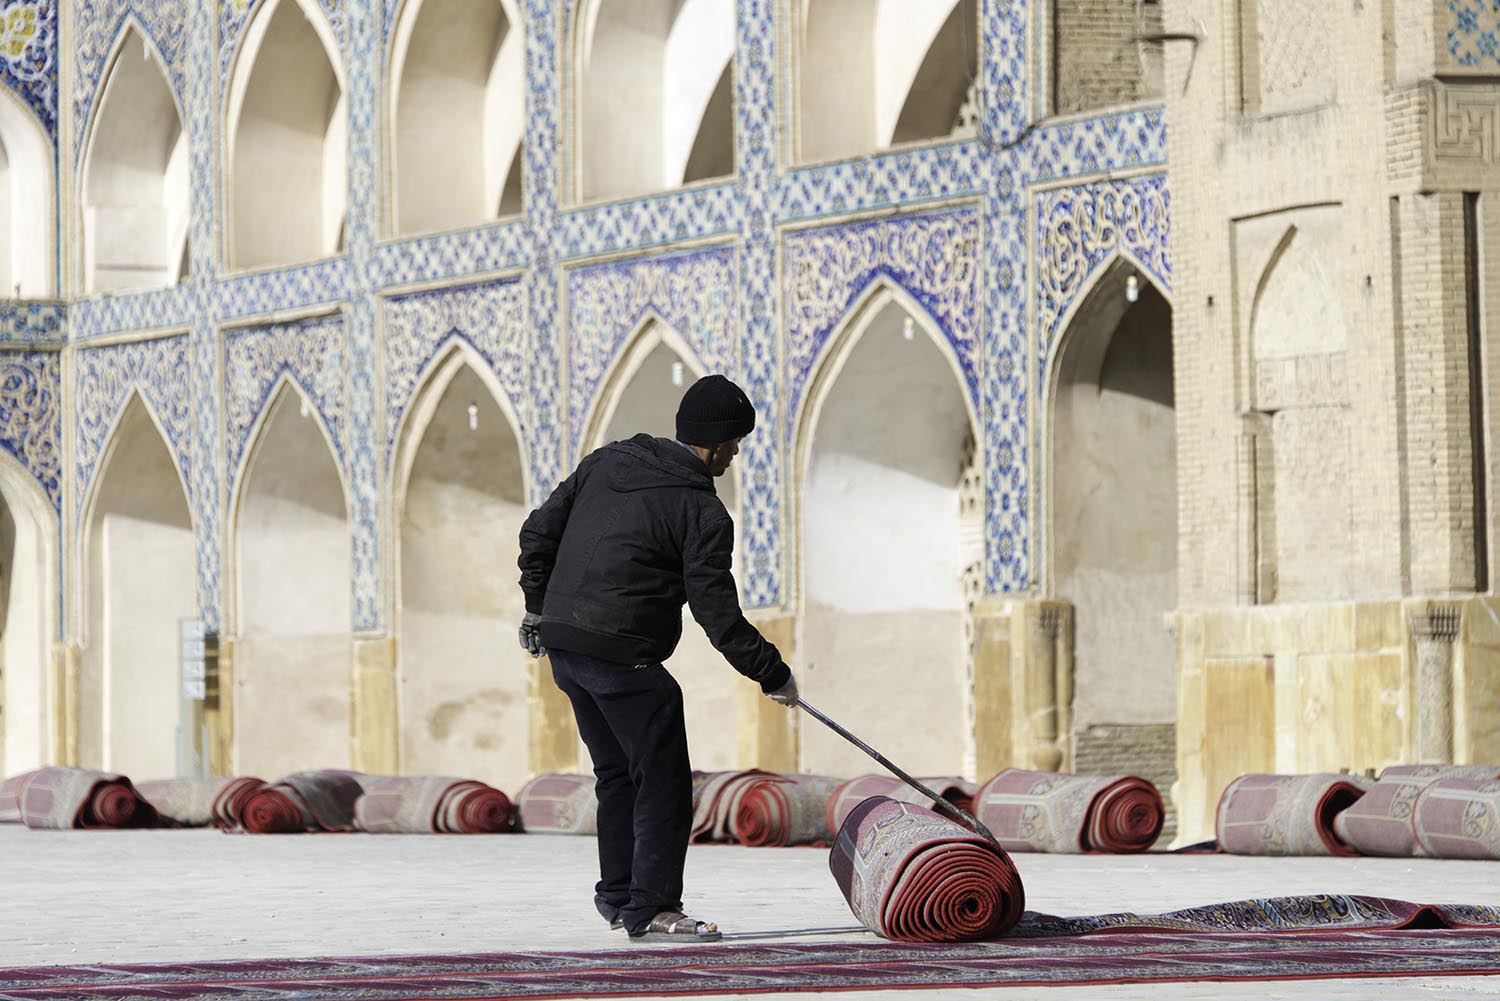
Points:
[(1031, 811), (1286, 814), (555, 803), (10, 797), (79, 798), (304, 801), (758, 808), (200, 802), (430, 804), (1459, 818), (911, 875), (1380, 821), (847, 795)]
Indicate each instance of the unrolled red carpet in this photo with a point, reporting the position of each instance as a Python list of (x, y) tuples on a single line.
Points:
[(914, 876), (1341, 937)]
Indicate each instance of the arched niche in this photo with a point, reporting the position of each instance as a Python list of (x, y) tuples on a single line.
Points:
[(874, 73), (1111, 522), (140, 583), (136, 180), (884, 445), (27, 202), (292, 562), (462, 677), (642, 395), (28, 533), (287, 127), (458, 89), (654, 82)]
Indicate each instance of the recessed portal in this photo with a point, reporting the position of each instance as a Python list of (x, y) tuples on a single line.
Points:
[(886, 447), (292, 660), (463, 678)]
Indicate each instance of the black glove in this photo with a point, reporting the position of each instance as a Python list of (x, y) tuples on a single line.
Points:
[(787, 694), (531, 634)]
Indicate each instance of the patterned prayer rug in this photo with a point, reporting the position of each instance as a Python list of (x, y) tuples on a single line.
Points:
[(1286, 814), (847, 795), (558, 804), (1290, 939), (1030, 811), (426, 804), (1380, 822), (200, 802)]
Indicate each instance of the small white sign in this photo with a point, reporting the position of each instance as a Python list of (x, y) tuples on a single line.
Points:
[(192, 688)]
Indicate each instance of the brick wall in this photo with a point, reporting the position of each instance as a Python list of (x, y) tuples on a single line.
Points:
[(1145, 749), (1097, 62)]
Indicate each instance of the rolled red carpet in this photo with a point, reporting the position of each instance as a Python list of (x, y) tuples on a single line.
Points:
[(847, 795), (483, 811), (762, 808), (914, 876), (1286, 814), (111, 805), (272, 811), (229, 805), (1127, 817)]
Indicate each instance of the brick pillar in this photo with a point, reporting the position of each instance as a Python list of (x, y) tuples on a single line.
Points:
[(1433, 632)]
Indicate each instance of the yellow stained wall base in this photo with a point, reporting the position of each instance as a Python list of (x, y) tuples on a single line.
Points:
[(1332, 687), (767, 733), (374, 726), (553, 745)]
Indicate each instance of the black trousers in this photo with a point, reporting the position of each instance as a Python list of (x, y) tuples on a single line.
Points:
[(631, 720)]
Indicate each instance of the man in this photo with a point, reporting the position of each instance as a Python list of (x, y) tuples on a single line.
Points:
[(606, 565)]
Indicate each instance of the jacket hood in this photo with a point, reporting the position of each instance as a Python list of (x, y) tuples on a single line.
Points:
[(651, 463)]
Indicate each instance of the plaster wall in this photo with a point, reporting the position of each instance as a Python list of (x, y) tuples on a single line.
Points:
[(882, 646), (25, 646), (293, 656), (696, 103), (140, 531), (7, 216), (462, 677), (1115, 513)]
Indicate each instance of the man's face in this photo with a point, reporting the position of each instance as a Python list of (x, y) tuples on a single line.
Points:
[(723, 456)]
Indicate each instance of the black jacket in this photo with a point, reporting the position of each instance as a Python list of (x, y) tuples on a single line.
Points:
[(610, 558)]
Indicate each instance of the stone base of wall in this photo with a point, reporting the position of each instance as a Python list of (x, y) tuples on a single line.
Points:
[(1349, 686), (1145, 749)]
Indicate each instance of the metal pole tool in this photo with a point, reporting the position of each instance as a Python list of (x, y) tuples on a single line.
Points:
[(958, 813)]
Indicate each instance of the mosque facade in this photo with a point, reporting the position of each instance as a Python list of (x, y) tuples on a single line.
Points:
[(1120, 370)]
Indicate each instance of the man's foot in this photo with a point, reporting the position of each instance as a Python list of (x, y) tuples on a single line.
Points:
[(676, 926), (616, 924)]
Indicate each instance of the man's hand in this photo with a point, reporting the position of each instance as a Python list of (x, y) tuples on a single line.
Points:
[(531, 635), (787, 694)]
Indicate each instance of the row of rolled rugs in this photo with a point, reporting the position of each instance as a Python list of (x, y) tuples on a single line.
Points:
[(1029, 811)]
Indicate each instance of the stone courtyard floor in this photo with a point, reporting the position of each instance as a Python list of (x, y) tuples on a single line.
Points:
[(158, 896)]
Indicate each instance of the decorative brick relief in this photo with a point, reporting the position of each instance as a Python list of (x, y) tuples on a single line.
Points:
[(1292, 69), (1465, 125)]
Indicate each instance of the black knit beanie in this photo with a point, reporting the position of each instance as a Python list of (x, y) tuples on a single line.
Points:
[(713, 411)]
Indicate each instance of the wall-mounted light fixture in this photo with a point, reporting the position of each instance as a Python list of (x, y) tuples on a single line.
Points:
[(1132, 289), (473, 417), (677, 373), (908, 328)]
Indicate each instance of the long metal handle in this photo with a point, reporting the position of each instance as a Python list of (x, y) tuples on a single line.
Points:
[(959, 813)]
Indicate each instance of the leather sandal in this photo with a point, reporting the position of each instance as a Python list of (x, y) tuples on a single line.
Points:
[(676, 926)]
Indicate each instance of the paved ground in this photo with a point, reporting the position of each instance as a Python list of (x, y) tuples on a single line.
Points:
[(156, 896)]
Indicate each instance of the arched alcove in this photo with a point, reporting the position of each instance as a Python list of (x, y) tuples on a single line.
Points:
[(462, 677), (288, 139), (642, 395), (884, 446), (1112, 518), (655, 94), (874, 73), (135, 176), (292, 559), (458, 111), (27, 232), (27, 620), (141, 582)]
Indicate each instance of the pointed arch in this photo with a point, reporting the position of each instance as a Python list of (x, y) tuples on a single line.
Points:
[(286, 129), (938, 85), (456, 113), (650, 333), (29, 618), (28, 200), (652, 95), (291, 596), (138, 525), (882, 547), (134, 397), (134, 175), (461, 495), (1107, 493), (1104, 286)]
